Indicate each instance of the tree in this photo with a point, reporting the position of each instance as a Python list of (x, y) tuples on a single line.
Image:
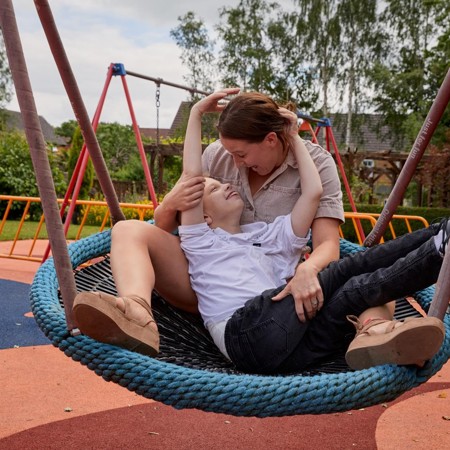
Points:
[(400, 79), (246, 54), (359, 44), (438, 67), (5, 80), (67, 130), (197, 53), (118, 143), (318, 29), (293, 78), (16, 170)]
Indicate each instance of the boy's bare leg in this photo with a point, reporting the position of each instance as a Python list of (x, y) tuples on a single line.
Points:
[(144, 257)]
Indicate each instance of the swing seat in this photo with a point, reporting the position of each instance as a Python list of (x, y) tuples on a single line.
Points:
[(191, 373)]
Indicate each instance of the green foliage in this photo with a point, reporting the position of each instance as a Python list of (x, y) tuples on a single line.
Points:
[(191, 35), (96, 214), (173, 166), (318, 29), (245, 57), (132, 170), (73, 155), (294, 78), (67, 130), (118, 144), (404, 80), (16, 169)]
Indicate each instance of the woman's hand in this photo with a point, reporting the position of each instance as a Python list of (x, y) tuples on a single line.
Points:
[(306, 291), (305, 286), (215, 101), (186, 194)]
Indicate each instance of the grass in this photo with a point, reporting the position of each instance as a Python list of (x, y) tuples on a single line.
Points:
[(29, 229)]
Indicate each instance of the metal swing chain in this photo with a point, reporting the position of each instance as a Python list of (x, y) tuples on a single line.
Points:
[(158, 104)]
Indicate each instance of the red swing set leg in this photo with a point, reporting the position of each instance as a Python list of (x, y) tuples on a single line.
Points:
[(331, 144)]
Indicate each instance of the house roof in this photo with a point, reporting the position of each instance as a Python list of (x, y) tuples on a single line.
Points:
[(368, 133), (13, 121), (179, 120), (151, 132)]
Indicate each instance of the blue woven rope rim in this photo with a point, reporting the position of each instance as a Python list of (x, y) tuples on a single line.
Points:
[(240, 395)]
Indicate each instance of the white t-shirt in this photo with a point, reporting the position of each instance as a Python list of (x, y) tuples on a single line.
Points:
[(227, 269)]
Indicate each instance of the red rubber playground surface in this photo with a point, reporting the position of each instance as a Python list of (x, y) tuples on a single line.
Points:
[(48, 401)]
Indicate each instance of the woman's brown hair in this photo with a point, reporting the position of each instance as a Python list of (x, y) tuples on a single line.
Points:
[(250, 116)]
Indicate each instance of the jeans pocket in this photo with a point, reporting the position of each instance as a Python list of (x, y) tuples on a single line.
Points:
[(264, 347)]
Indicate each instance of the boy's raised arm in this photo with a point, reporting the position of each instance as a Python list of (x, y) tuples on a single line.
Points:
[(306, 206), (192, 152)]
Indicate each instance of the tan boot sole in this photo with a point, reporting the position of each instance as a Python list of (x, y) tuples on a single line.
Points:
[(99, 318), (414, 342)]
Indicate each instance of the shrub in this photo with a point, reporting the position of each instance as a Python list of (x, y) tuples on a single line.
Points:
[(430, 214), (96, 213)]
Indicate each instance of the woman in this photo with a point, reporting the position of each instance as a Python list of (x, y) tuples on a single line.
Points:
[(265, 174)]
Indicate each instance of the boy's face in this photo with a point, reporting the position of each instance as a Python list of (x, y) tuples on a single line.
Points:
[(221, 201)]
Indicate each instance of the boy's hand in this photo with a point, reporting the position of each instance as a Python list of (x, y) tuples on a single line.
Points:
[(291, 121), (213, 103)]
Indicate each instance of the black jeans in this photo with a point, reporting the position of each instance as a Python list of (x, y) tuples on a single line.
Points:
[(267, 337)]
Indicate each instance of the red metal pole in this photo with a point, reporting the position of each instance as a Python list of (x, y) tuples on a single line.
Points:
[(76, 179), (329, 138), (345, 181), (140, 145)]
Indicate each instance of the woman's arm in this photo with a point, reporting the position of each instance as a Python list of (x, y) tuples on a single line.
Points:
[(184, 195), (305, 286)]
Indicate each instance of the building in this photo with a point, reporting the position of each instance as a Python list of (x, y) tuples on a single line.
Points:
[(13, 121)]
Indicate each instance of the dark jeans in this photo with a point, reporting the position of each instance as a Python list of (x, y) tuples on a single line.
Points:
[(267, 337)]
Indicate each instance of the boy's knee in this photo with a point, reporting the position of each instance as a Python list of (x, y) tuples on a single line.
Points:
[(124, 228)]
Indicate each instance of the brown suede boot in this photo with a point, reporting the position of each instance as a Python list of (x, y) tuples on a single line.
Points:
[(413, 341)]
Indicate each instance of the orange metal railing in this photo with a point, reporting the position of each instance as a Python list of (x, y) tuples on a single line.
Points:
[(371, 219), (27, 250)]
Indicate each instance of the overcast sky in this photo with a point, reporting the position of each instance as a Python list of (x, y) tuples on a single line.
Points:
[(98, 32)]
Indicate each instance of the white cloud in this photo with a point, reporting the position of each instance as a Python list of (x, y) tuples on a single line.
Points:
[(96, 33)]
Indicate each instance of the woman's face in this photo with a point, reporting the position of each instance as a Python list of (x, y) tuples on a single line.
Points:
[(261, 157)]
